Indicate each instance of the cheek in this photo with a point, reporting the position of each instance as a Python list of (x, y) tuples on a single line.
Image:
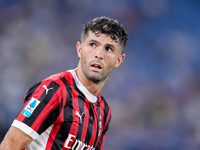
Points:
[(110, 64), (84, 59), (111, 60)]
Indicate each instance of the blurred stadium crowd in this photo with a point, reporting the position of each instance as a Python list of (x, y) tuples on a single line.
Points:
[(154, 94)]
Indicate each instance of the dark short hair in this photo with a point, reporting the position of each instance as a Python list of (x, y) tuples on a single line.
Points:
[(106, 25)]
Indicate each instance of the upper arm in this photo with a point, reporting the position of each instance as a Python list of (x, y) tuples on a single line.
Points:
[(15, 139)]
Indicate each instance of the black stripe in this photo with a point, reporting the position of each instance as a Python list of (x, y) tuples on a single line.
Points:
[(90, 123), (106, 109), (31, 91), (107, 126), (98, 115), (46, 97), (103, 133), (81, 112), (51, 118), (68, 117)]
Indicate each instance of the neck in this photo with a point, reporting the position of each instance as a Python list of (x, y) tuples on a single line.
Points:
[(93, 88)]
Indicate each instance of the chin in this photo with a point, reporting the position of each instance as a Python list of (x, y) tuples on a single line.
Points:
[(95, 78)]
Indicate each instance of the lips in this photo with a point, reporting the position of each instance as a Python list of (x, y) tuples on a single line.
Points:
[(96, 66)]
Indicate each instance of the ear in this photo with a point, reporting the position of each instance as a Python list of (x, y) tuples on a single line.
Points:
[(119, 60), (79, 48)]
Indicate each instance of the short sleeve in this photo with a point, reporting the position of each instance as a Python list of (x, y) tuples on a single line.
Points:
[(42, 106)]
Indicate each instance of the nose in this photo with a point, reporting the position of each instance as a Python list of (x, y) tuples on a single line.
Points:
[(99, 54)]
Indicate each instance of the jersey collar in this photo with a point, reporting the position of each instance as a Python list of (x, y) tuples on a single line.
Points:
[(81, 87)]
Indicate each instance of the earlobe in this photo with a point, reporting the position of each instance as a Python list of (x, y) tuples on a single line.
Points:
[(119, 60)]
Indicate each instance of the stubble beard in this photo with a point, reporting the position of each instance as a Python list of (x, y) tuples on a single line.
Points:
[(93, 76)]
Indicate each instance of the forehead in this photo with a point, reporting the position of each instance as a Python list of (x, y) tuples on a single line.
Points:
[(102, 38)]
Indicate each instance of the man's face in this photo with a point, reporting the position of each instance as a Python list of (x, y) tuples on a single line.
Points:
[(98, 56)]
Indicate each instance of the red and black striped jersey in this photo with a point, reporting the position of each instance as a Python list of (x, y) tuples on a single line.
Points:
[(60, 113)]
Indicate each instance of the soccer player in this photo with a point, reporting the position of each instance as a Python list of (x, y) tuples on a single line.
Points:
[(66, 111)]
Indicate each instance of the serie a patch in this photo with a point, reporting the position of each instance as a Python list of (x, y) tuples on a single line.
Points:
[(30, 107)]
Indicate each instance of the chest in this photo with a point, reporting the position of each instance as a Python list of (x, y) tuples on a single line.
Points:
[(81, 121)]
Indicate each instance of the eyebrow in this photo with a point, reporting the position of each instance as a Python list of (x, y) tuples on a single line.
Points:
[(110, 45), (107, 45), (94, 41)]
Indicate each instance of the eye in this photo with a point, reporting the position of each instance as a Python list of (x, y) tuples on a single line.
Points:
[(93, 45), (109, 49)]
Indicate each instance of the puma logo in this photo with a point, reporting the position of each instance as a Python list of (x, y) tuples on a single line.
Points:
[(47, 90), (80, 116)]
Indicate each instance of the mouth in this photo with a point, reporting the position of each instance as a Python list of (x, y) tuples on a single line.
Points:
[(96, 67)]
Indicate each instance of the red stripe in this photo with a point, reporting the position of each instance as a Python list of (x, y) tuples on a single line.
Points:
[(21, 117), (102, 145), (104, 136), (108, 118), (52, 136)]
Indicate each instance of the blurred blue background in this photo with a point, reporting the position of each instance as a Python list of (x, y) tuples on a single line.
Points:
[(154, 94)]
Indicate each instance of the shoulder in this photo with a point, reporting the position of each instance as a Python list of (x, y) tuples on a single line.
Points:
[(54, 85), (55, 81), (107, 107), (61, 78), (58, 76)]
